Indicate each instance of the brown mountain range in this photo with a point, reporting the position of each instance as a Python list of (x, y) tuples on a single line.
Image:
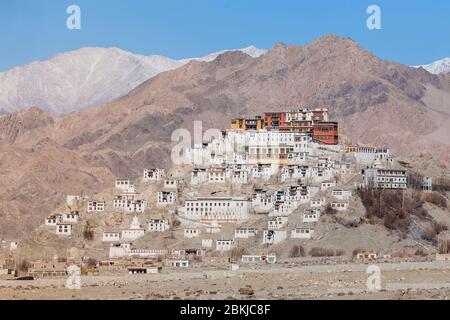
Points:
[(378, 102)]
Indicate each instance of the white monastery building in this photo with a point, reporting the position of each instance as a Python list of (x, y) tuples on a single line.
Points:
[(171, 184), (199, 176), (111, 237), (123, 184), (153, 175), (277, 223), (72, 200), (165, 198), (207, 243), (136, 206), (71, 217), (340, 205), (341, 194), (380, 178), (96, 206), (302, 233), (311, 216), (274, 236), (224, 245), (221, 210), (245, 233), (64, 229), (158, 225), (191, 233)]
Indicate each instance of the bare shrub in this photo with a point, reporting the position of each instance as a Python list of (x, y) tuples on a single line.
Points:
[(444, 248), (421, 212), (318, 252), (329, 210), (404, 253), (439, 227), (297, 251), (237, 253), (436, 199), (417, 196), (415, 180), (420, 252), (392, 207), (397, 219), (441, 184), (432, 232), (322, 252)]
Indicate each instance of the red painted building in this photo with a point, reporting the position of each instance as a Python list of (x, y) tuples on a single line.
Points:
[(274, 120), (326, 133), (313, 121)]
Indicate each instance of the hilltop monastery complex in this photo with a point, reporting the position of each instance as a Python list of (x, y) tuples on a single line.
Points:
[(276, 174)]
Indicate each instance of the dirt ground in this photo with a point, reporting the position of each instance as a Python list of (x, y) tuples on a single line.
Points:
[(409, 280)]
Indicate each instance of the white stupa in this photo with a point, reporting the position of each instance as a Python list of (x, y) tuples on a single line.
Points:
[(135, 224)]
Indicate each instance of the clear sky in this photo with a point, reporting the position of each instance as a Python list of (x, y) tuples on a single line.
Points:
[(413, 31)]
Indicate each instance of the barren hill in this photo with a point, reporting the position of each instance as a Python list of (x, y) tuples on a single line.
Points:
[(86, 77)]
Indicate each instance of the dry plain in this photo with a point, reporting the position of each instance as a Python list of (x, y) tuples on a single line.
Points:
[(405, 280)]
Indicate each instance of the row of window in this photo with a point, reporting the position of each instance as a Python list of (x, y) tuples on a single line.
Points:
[(271, 150), (244, 231), (339, 205), (208, 211), (122, 182), (381, 179), (111, 235), (302, 231), (211, 204)]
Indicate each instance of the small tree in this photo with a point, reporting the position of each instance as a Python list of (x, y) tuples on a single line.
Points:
[(318, 252), (420, 252), (329, 210), (436, 199), (176, 223), (91, 263), (24, 265), (88, 233)]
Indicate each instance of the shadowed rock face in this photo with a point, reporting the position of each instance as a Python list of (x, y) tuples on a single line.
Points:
[(376, 102), (14, 125)]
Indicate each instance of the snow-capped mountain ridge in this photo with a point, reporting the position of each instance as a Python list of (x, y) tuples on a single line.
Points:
[(252, 51), (438, 67), (86, 77)]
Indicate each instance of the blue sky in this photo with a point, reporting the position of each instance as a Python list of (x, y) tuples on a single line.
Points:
[(413, 31)]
